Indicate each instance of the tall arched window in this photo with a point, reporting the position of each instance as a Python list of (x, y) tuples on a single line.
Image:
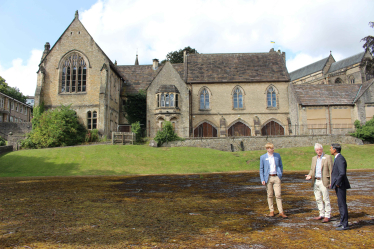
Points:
[(238, 98), (74, 74), (271, 97), (204, 99)]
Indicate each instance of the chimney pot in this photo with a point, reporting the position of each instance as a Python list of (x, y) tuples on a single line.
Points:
[(155, 64)]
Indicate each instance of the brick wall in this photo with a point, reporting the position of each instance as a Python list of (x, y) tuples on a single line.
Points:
[(258, 143)]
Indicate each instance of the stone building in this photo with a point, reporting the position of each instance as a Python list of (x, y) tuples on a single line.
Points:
[(329, 71), (208, 95), (76, 72), (12, 110)]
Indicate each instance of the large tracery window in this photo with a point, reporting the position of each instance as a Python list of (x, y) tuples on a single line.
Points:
[(74, 74)]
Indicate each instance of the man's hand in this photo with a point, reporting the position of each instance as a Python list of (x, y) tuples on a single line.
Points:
[(308, 177), (263, 183)]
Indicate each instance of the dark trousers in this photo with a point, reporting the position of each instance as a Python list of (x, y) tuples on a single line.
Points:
[(341, 193)]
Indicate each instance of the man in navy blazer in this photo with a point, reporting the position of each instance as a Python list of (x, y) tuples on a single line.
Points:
[(271, 170), (340, 183)]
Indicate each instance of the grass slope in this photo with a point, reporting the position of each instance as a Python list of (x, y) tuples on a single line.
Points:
[(127, 160)]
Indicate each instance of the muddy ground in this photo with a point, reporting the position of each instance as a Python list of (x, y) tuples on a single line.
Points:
[(177, 211)]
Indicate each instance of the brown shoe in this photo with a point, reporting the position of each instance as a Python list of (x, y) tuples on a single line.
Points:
[(271, 214), (318, 218), (283, 215), (325, 220)]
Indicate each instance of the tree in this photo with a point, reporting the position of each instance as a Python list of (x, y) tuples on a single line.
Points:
[(177, 56), (13, 92), (366, 131), (369, 45), (166, 134), (54, 128)]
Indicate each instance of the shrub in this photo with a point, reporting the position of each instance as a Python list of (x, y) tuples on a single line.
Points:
[(135, 127), (366, 131), (53, 128), (2, 141), (92, 136), (166, 134)]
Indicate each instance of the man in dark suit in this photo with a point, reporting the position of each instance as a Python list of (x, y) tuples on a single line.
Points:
[(340, 183)]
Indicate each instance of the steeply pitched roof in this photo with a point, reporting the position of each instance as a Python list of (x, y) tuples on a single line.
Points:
[(312, 68), (139, 77), (314, 95), (346, 62), (241, 67)]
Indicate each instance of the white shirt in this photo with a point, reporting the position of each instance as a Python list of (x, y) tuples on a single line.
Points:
[(319, 166), (273, 169), (336, 155)]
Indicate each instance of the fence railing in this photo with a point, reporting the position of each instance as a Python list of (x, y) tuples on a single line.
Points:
[(267, 130)]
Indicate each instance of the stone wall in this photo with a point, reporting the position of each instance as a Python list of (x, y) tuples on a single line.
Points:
[(15, 128), (258, 143), (5, 149)]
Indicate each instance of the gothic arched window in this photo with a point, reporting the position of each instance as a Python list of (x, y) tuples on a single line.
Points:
[(271, 97), (238, 98), (74, 74), (204, 99)]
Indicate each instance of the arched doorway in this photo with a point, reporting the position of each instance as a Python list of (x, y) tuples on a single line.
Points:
[(239, 129), (205, 130), (272, 128)]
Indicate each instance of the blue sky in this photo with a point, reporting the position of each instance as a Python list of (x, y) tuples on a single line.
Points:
[(305, 30)]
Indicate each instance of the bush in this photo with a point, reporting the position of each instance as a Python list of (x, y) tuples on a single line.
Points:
[(366, 131), (54, 128), (92, 136), (166, 134), (135, 127), (2, 141)]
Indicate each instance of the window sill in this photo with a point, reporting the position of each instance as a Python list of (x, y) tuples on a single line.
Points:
[(238, 109), (76, 93), (272, 108), (205, 110)]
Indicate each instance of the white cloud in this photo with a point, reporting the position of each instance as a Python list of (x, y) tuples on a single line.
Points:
[(23, 75), (155, 28)]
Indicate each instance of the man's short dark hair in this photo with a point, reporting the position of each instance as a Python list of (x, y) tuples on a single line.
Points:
[(337, 147)]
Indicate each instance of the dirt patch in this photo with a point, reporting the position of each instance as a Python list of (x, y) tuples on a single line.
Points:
[(177, 211)]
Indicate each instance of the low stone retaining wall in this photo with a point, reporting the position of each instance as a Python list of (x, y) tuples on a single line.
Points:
[(15, 140), (5, 149), (15, 128), (258, 143)]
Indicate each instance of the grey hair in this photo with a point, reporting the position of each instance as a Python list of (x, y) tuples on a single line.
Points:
[(318, 146)]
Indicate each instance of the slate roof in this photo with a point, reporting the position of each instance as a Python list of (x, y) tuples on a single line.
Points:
[(138, 77), (312, 68), (315, 95), (346, 62), (240, 67), (167, 88)]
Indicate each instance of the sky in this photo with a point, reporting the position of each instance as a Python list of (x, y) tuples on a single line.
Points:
[(306, 30)]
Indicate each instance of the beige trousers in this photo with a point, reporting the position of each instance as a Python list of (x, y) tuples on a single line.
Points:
[(274, 186), (323, 199)]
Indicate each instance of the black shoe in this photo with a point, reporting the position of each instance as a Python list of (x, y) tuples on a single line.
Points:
[(338, 225), (342, 228)]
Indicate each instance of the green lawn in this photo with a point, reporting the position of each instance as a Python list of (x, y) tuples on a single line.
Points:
[(130, 159)]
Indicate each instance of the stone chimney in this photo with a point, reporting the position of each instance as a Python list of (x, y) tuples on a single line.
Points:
[(155, 64), (47, 47), (284, 56), (76, 14)]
